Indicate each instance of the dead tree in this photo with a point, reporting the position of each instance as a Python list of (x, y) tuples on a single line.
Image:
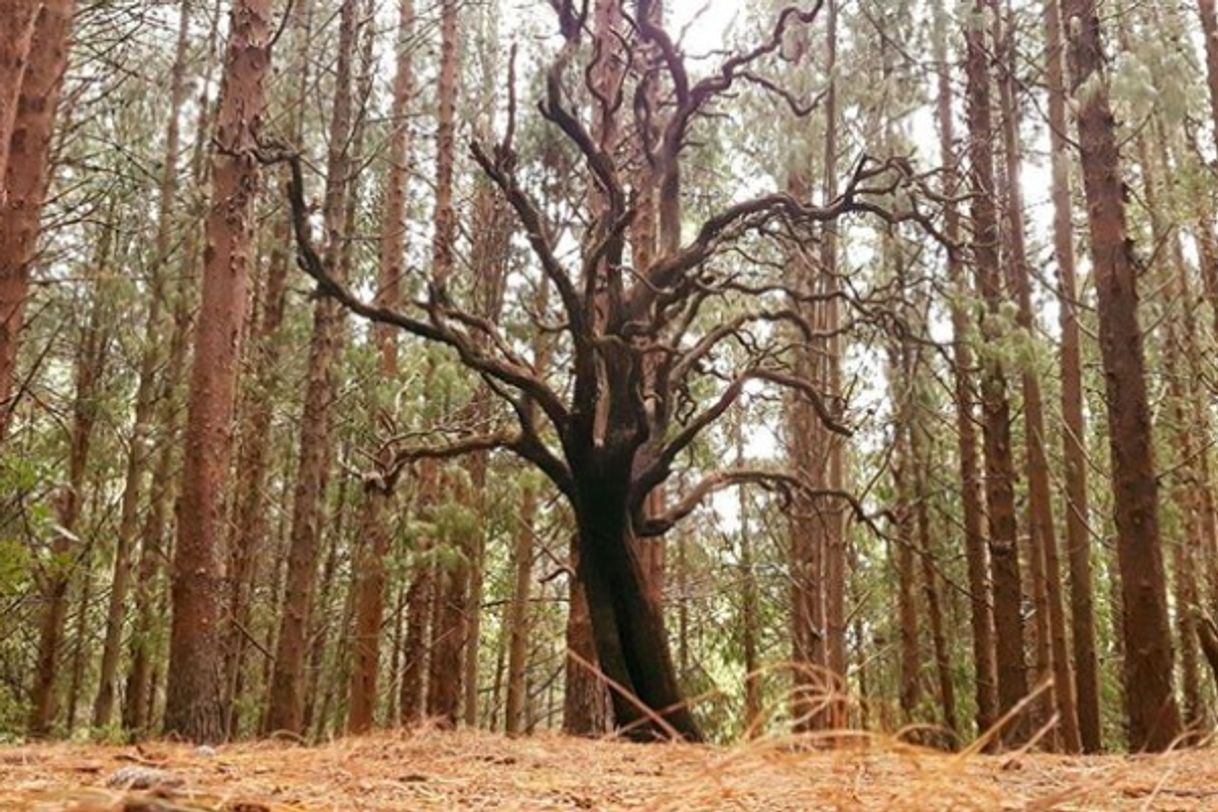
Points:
[(609, 420)]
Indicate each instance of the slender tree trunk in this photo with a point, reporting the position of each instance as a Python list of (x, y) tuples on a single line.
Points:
[(1074, 429), (418, 611), (370, 587), (193, 709), (81, 645), (1154, 720), (518, 612), (322, 615), (1040, 494), (836, 578), (975, 552), (749, 621), (920, 463), (490, 256), (140, 693), (27, 176), (1187, 421), (996, 418), (66, 554), (287, 698), (448, 630), (909, 680), (810, 518), (140, 452)]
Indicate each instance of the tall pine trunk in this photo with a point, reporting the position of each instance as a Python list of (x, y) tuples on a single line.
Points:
[(287, 691), (1074, 428), (975, 552), (1154, 720), (193, 706), (995, 409), (1040, 494)]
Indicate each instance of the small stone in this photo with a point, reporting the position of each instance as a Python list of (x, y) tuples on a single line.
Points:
[(206, 751)]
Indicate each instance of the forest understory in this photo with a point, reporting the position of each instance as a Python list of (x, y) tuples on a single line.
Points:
[(431, 769)]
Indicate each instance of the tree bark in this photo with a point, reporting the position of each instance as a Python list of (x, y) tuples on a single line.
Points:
[(1154, 719), (1040, 493), (1209, 30), (627, 621), (1074, 428), (930, 578), (749, 621), (17, 21), (836, 577), (370, 586), (193, 709), (27, 176), (287, 697), (250, 529), (585, 701), (518, 611), (975, 552), (996, 418)]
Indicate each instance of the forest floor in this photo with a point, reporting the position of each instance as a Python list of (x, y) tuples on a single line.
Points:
[(433, 770)]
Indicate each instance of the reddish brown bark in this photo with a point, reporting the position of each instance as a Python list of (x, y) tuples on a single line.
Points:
[(370, 586), (193, 708), (976, 555), (139, 698), (1040, 493), (1154, 720), (26, 179), (418, 610), (448, 629), (996, 418), (17, 20), (1190, 486), (1074, 428), (287, 690), (250, 529), (808, 524), (836, 577)]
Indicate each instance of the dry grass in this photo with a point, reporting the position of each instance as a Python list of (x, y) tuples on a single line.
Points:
[(433, 770)]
